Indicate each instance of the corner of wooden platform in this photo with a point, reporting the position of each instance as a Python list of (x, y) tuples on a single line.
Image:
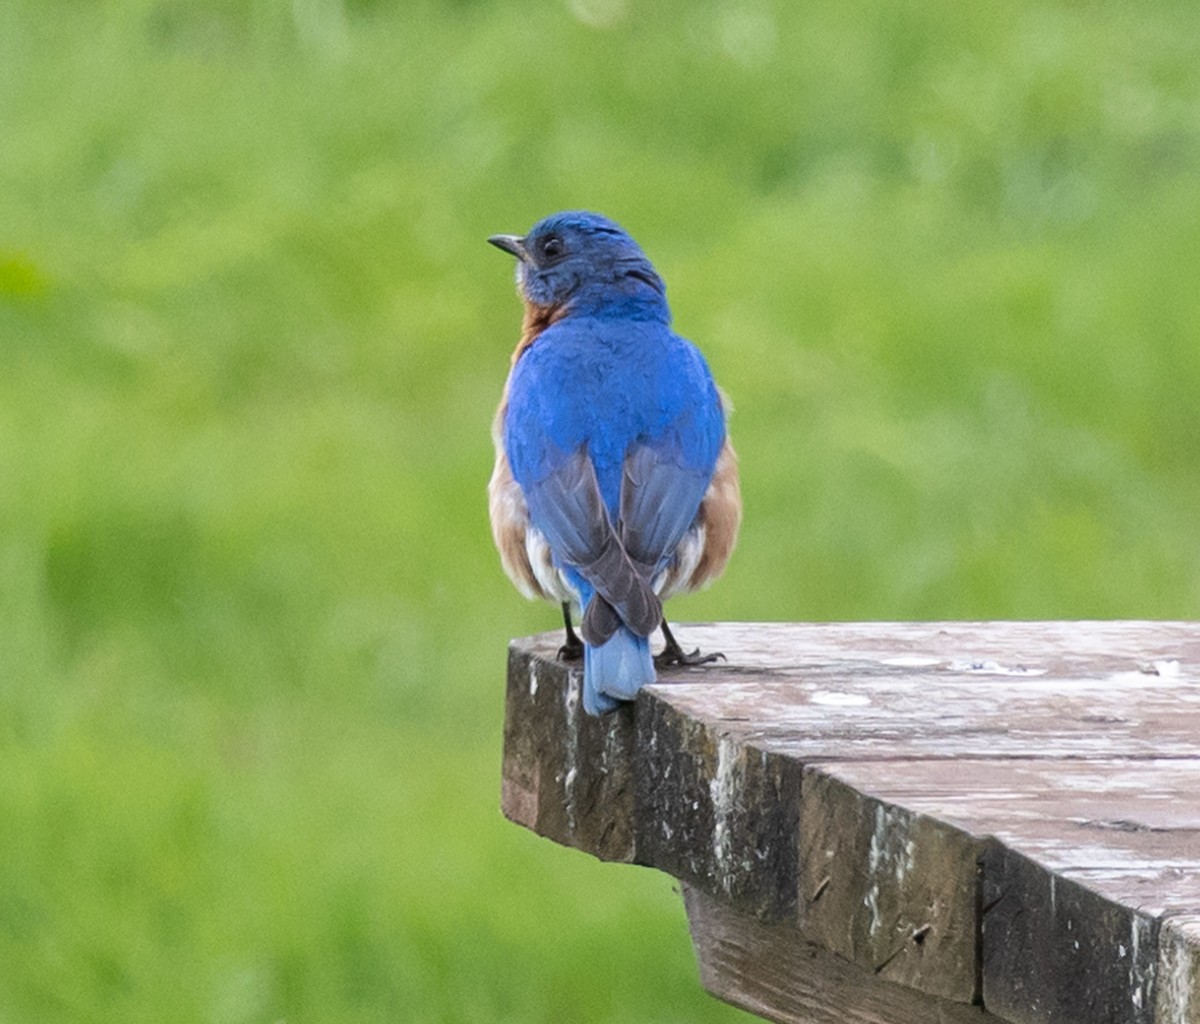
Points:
[(893, 823)]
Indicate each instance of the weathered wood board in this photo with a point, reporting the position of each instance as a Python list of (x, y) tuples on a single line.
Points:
[(1000, 817), (772, 969)]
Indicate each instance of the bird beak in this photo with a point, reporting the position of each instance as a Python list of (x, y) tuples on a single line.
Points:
[(514, 244)]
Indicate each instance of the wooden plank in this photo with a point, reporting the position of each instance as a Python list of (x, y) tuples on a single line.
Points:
[(1057, 952), (1178, 974), (889, 889), (862, 792), (1123, 833), (771, 969), (566, 775), (924, 713), (1058, 648), (715, 811), (1071, 812)]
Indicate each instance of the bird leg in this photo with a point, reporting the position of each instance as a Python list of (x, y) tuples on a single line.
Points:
[(572, 650), (673, 654)]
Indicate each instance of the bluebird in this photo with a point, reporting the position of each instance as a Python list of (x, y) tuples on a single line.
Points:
[(615, 484)]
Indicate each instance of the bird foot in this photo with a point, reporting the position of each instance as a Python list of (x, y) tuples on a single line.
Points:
[(571, 651), (673, 654), (677, 656)]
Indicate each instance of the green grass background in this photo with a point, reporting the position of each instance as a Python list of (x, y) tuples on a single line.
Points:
[(943, 257)]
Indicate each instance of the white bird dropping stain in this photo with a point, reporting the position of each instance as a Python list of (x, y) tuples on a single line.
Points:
[(892, 851), (723, 793), (1178, 1001), (1141, 976), (571, 697), (839, 699)]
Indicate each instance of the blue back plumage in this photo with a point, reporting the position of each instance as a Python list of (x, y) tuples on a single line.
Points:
[(609, 383)]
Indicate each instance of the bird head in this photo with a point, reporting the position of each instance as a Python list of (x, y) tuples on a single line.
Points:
[(583, 262)]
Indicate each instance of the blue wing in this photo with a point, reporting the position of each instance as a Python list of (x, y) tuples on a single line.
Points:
[(668, 470), (659, 500), (566, 506)]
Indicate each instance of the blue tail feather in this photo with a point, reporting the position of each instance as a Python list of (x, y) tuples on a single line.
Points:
[(615, 671)]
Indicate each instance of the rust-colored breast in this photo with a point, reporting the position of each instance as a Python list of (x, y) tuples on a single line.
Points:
[(509, 516), (720, 515), (506, 504), (536, 319)]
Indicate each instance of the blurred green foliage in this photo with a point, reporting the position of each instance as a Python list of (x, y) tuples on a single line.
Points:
[(942, 256)]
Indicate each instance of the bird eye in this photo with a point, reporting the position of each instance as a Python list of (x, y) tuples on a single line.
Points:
[(552, 247)]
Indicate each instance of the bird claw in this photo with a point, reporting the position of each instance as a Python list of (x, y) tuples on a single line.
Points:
[(572, 649), (675, 656)]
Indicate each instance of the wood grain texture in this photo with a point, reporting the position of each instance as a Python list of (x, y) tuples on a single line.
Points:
[(772, 969), (888, 888), (995, 813), (567, 776)]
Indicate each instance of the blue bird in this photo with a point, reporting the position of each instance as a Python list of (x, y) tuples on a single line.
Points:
[(615, 483)]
